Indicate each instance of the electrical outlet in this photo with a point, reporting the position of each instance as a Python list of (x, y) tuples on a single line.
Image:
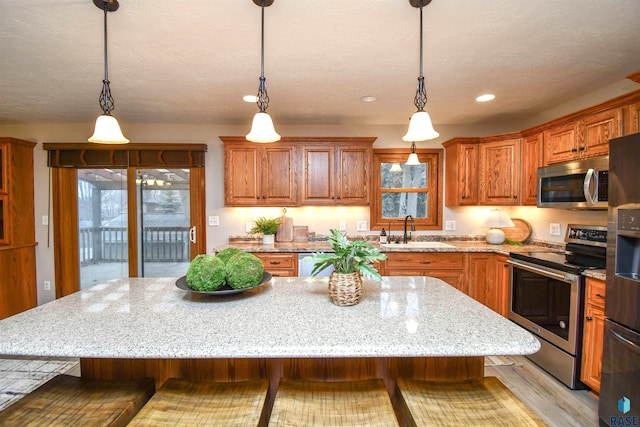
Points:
[(248, 226), (47, 285), (343, 226), (554, 229), (450, 225), (45, 220), (214, 221), (361, 226)]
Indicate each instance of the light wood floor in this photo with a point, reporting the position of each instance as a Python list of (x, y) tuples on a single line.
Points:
[(556, 404)]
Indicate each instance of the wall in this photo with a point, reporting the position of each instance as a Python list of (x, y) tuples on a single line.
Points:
[(319, 219)]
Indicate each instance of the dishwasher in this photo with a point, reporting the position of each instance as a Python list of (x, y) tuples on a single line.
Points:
[(305, 267)]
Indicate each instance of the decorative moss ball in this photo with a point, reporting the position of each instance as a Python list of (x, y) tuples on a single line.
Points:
[(244, 270), (226, 254), (206, 273)]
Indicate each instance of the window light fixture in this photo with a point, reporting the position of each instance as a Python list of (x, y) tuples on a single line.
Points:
[(107, 129), (262, 129), (420, 126)]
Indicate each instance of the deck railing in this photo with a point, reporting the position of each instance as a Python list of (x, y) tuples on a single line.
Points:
[(109, 244)]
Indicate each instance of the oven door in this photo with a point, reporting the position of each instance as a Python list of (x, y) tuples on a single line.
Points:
[(547, 302)]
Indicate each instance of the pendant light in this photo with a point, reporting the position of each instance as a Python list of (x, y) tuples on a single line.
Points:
[(262, 129), (420, 126), (413, 157), (107, 130)]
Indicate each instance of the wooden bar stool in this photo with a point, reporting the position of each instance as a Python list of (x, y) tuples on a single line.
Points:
[(322, 404), (181, 402), (66, 400), (480, 402)]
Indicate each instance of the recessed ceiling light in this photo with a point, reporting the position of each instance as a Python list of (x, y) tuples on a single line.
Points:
[(368, 98), (486, 97), (250, 98)]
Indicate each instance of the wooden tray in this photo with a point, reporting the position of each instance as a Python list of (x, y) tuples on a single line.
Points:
[(519, 233)]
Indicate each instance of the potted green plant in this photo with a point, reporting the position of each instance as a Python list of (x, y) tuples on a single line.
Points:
[(268, 228), (350, 260)]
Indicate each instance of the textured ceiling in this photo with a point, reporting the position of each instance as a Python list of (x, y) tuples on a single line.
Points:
[(191, 61)]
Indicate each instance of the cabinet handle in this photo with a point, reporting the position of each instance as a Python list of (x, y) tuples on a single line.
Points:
[(425, 262), (515, 196), (589, 318), (339, 197), (274, 262), (600, 296), (574, 150), (505, 265), (583, 148)]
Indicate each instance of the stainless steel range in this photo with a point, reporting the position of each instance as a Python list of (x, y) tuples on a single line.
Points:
[(546, 297)]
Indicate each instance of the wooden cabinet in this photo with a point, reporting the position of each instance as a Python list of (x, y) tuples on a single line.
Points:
[(587, 137), (632, 119), (531, 161), (336, 175), (488, 277), (17, 227), (463, 160), (593, 333), (279, 264), (500, 172), (259, 174), (448, 267)]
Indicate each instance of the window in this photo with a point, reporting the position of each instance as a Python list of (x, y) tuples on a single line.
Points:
[(400, 190)]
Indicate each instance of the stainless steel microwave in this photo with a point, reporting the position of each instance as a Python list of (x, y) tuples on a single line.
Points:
[(580, 184)]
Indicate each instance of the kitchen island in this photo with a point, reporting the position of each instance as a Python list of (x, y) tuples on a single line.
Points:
[(404, 326)]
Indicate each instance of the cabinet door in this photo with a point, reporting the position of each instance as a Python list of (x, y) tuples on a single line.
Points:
[(318, 175), (592, 344), (481, 275), (633, 119), (598, 129), (353, 169), (278, 176), (502, 285), (5, 232), (561, 144), (500, 172), (242, 175), (462, 174), (531, 161), (4, 167)]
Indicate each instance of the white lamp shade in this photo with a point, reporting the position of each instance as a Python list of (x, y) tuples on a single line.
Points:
[(107, 131), (413, 160), (497, 218), (420, 128), (262, 129)]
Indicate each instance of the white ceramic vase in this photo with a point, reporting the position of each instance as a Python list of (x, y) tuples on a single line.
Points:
[(268, 239)]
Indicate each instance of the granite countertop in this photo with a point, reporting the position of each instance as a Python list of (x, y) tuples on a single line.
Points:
[(286, 317), (600, 274)]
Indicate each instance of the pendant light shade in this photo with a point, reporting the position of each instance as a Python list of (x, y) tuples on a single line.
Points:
[(107, 130), (413, 157), (262, 129), (420, 126)]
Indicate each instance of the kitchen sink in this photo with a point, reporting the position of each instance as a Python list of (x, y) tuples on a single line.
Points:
[(417, 245)]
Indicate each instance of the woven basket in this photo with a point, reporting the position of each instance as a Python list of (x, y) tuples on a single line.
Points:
[(345, 288)]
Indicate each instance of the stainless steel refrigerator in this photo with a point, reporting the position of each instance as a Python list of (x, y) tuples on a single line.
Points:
[(620, 382)]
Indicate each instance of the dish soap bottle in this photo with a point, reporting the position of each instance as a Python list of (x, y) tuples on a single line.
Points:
[(383, 236)]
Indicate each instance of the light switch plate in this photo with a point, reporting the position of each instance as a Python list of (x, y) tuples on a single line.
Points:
[(554, 229), (450, 225), (248, 226), (361, 226), (343, 226)]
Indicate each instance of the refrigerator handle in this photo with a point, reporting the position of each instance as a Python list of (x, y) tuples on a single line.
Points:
[(590, 196), (630, 343)]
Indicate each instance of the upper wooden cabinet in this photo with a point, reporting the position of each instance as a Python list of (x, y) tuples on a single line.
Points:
[(500, 172), (298, 171), (531, 161), (633, 118), (587, 137), (338, 175), (259, 174), (463, 161)]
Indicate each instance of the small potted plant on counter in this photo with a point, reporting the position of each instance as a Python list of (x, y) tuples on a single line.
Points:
[(350, 261), (268, 228)]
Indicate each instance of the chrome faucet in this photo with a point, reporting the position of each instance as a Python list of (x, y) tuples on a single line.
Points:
[(413, 227), (389, 234)]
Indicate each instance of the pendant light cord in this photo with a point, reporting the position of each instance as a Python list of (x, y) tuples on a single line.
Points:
[(263, 98), (420, 99), (106, 100)]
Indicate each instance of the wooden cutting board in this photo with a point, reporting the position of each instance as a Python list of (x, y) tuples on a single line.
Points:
[(301, 233), (519, 233), (285, 230)]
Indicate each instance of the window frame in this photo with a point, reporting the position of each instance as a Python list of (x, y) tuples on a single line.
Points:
[(434, 158)]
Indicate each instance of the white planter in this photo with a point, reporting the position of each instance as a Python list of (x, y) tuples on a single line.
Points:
[(268, 239)]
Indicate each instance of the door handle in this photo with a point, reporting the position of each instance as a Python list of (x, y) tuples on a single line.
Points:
[(192, 234)]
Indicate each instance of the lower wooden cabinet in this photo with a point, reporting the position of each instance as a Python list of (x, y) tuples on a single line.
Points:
[(488, 277), (593, 333), (448, 267), (279, 264)]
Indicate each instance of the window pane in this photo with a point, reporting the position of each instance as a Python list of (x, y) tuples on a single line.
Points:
[(399, 205), (399, 175)]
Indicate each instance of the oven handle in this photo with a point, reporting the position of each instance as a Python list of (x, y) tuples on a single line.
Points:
[(630, 343), (562, 277)]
